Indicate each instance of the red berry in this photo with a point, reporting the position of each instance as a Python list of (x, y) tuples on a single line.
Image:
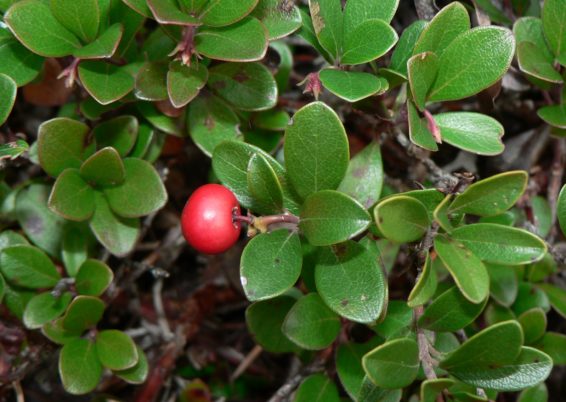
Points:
[(207, 219)]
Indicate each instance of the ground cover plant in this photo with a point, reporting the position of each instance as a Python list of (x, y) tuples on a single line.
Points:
[(268, 200)]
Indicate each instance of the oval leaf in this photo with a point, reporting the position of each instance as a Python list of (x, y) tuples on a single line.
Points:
[(270, 264), (329, 217), (29, 267), (394, 364), (311, 324), (351, 282), (316, 149), (500, 244), (473, 61), (491, 196), (401, 219), (79, 367)]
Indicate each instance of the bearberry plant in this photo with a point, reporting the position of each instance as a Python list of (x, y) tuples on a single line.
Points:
[(367, 233)]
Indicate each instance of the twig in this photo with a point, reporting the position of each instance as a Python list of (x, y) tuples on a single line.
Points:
[(18, 391), (160, 311), (292, 383), (248, 360), (425, 9), (424, 347)]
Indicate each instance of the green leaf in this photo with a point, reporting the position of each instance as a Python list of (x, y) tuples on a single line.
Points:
[(327, 21), (264, 320), (41, 226), (13, 150), (451, 22), (139, 6), (349, 365), (472, 132), (350, 282), (537, 393), (396, 322), (230, 163), (498, 345), (418, 129), (226, 12), (117, 234), (533, 323), (273, 120), (529, 29), (158, 119), (364, 177), (561, 209), (474, 61), (141, 193), (554, 344), (29, 267), (316, 149), (83, 313), (9, 238), (55, 332), (554, 26), (264, 185), (394, 364), (169, 12), (317, 387), (307, 32), (530, 368), (404, 49), (352, 86), (311, 324), (211, 121), (243, 41), (270, 264), (36, 28), (554, 115), (72, 197), (8, 92), (450, 312), (81, 18), (329, 217), (151, 81), (45, 307), (280, 19), (120, 133), (76, 242), (368, 41), (18, 62), (371, 392), (542, 269), (185, 82), (138, 373), (105, 82), (116, 350), (466, 268), (500, 244), (16, 299), (79, 367), (62, 143), (492, 196), (246, 86), (401, 219), (528, 297), (146, 134), (430, 389), (358, 11), (542, 215), (93, 278), (104, 168), (422, 70), (426, 285), (534, 61), (556, 296), (2, 288), (503, 284)]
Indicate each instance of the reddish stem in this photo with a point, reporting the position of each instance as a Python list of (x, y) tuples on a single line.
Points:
[(432, 127)]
